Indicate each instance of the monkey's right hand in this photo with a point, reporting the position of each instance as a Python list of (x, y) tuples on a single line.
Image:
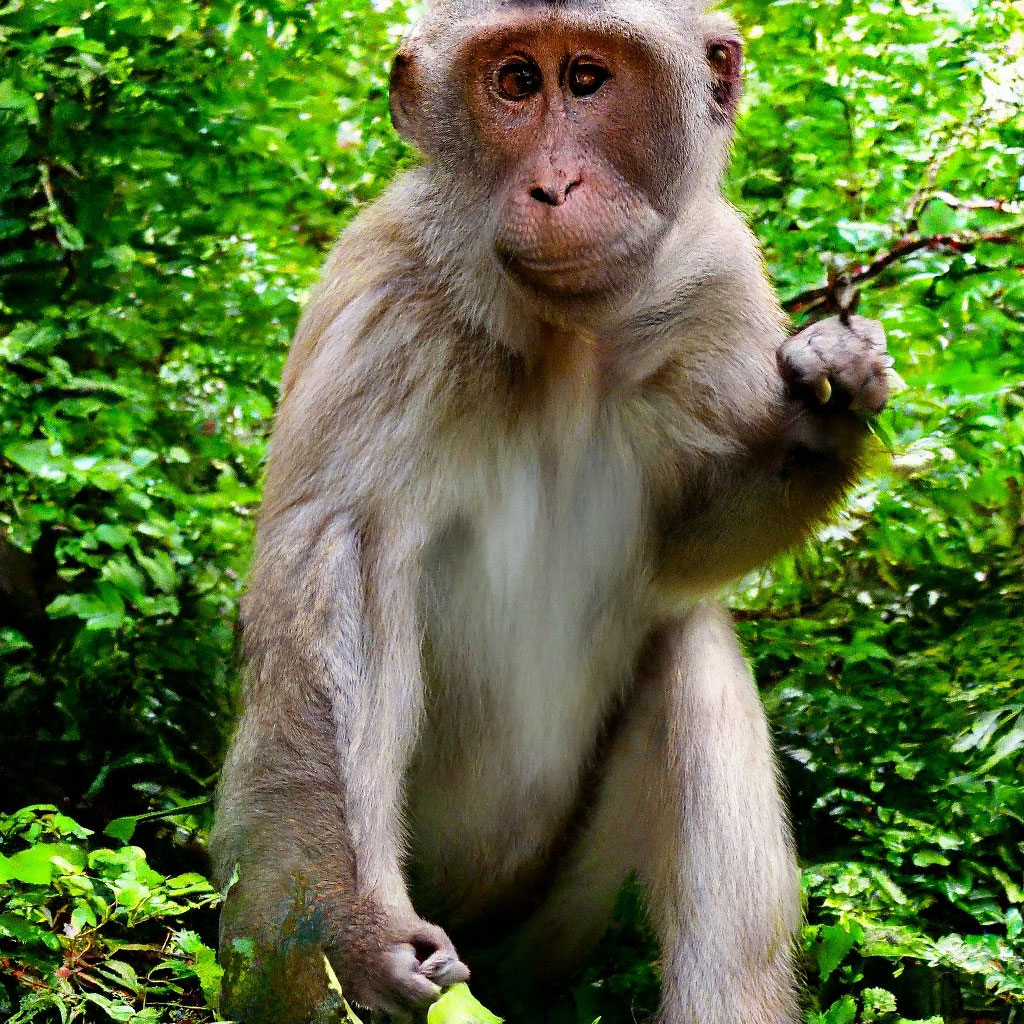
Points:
[(385, 958), (406, 972)]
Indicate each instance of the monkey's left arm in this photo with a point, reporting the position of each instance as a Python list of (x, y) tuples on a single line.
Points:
[(740, 510)]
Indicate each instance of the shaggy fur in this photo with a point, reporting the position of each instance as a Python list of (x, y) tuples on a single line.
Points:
[(484, 665)]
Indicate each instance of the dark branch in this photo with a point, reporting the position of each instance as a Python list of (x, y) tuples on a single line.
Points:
[(814, 298)]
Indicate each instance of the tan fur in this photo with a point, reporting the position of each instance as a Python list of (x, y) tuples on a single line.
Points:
[(480, 654)]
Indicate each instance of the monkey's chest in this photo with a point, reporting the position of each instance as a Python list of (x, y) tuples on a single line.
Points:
[(533, 617)]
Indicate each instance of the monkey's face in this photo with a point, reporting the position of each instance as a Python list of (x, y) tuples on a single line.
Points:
[(579, 198), (573, 138)]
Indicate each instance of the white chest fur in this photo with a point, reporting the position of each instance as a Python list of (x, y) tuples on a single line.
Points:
[(541, 561), (533, 617)]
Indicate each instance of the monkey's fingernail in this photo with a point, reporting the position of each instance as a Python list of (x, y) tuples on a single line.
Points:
[(437, 964), (823, 390), (453, 972)]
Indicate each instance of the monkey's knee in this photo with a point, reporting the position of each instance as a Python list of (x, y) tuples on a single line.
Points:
[(276, 984), (272, 952)]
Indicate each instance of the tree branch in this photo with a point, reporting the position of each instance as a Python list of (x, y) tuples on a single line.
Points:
[(814, 298)]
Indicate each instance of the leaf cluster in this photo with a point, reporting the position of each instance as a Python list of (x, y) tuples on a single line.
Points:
[(89, 933)]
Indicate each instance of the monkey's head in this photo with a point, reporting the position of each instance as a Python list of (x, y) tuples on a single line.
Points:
[(570, 134)]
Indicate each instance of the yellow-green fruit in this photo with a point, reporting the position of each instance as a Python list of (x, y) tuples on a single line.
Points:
[(459, 1006)]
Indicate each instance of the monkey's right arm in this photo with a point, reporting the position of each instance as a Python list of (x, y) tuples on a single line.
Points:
[(310, 804)]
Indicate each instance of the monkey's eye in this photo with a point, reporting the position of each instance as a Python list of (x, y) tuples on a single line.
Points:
[(519, 79), (586, 78)]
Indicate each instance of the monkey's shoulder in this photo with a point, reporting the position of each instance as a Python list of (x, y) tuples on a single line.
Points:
[(365, 276)]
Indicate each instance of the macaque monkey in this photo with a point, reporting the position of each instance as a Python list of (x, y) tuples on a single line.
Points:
[(541, 408)]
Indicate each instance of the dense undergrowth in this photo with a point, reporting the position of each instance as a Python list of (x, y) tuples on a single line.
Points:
[(172, 175)]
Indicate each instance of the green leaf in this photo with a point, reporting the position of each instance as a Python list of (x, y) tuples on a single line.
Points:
[(459, 1006), (927, 858), (115, 1009), (83, 916), (204, 963), (21, 930), (114, 535), (123, 974), (843, 1011), (938, 218), (862, 236), (11, 98), (68, 826), (43, 458), (834, 942), (35, 866), (121, 829)]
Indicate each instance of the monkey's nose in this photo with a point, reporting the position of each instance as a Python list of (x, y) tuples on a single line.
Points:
[(554, 194)]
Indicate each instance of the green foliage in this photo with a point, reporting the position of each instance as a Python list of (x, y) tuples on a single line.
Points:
[(889, 648), (171, 177), (172, 174), (96, 934)]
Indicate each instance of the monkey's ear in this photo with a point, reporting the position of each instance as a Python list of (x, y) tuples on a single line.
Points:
[(725, 58), (405, 100)]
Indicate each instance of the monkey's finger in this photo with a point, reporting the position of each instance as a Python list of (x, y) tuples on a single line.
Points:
[(893, 379), (801, 361), (415, 990), (871, 331), (873, 394), (444, 969), (411, 986)]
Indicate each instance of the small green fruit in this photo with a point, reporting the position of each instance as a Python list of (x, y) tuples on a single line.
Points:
[(459, 1006)]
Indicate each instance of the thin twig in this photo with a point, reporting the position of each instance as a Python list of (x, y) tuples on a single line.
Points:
[(172, 812), (907, 246), (1002, 205)]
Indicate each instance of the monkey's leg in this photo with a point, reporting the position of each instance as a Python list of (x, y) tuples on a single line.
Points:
[(718, 860), (690, 801)]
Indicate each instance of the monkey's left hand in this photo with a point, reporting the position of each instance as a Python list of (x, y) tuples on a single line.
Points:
[(838, 364)]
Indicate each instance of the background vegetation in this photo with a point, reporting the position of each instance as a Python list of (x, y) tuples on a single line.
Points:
[(172, 174)]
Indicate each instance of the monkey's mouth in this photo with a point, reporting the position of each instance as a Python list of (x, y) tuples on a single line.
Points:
[(573, 274), (564, 265)]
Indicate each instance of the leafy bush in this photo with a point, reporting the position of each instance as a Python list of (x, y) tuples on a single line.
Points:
[(173, 177), (173, 173), (95, 933), (886, 141)]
